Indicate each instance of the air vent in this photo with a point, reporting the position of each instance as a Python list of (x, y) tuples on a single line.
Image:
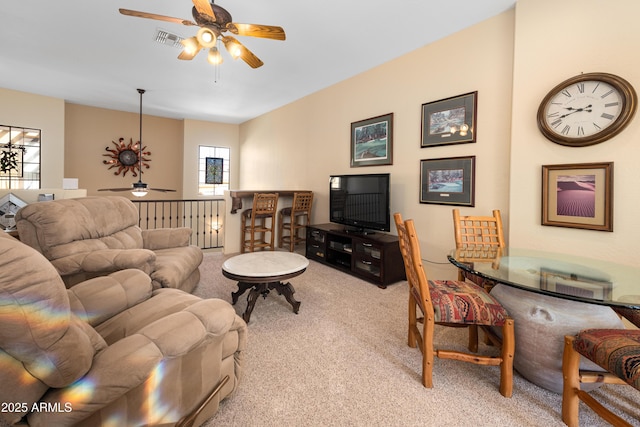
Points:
[(170, 39)]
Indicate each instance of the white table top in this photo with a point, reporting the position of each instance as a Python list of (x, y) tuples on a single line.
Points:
[(265, 264)]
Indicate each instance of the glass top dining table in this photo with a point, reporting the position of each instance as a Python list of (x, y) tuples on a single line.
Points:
[(556, 274)]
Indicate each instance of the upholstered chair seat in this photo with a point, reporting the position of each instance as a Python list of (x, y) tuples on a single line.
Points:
[(617, 351), (464, 303)]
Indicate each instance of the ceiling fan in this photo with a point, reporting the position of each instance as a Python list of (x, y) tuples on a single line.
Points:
[(213, 21), (138, 189)]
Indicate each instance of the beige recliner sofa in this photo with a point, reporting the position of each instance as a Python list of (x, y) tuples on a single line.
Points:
[(93, 236), (111, 350)]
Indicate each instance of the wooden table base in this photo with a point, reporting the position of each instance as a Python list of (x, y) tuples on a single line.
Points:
[(263, 289)]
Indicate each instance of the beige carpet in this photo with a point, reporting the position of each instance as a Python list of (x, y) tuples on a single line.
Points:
[(343, 361)]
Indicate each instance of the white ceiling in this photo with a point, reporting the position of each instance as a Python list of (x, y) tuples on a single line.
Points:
[(86, 52)]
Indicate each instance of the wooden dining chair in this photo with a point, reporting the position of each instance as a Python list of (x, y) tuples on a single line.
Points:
[(615, 350), (452, 303), (295, 218), (631, 314), (482, 233), (257, 221)]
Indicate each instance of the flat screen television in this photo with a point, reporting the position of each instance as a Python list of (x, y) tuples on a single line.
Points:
[(360, 202)]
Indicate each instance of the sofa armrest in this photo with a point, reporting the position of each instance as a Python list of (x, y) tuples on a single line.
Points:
[(99, 299), (165, 238), (105, 260), (133, 365)]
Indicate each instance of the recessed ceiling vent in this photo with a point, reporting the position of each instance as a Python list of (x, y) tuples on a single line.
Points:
[(170, 39)]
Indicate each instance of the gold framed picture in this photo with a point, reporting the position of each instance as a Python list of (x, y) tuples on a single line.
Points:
[(578, 196)]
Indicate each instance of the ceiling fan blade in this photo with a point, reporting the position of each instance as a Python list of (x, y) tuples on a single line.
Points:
[(256, 30), (164, 190), (115, 189), (204, 7), (139, 14), (238, 50), (188, 55)]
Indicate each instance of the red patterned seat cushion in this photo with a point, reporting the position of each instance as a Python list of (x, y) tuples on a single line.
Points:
[(463, 302), (616, 350)]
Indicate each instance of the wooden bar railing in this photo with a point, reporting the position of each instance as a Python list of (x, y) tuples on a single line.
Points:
[(205, 217)]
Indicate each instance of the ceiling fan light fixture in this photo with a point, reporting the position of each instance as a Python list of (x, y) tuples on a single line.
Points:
[(206, 37), (191, 45), (233, 47), (139, 189), (214, 56), (139, 192)]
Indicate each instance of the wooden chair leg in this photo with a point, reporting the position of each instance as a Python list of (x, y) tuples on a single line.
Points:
[(280, 228), (243, 233), (473, 338), (507, 353), (273, 233), (571, 378), (413, 323), (293, 232), (428, 352)]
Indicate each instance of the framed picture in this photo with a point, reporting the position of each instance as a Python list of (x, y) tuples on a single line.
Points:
[(372, 141), (449, 121), (449, 181), (213, 170), (575, 284), (578, 196)]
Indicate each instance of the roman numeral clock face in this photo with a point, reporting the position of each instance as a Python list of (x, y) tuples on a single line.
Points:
[(587, 109)]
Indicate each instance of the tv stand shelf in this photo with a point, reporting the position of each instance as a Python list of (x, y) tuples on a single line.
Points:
[(374, 257)]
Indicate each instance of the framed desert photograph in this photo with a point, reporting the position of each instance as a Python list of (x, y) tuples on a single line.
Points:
[(578, 196), (372, 141), (448, 181), (449, 121)]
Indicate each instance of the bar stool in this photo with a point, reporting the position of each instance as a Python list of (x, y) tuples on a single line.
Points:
[(256, 223), (298, 218)]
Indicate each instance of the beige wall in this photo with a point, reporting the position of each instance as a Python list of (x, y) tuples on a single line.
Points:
[(555, 40), (303, 143), (89, 130), (512, 60), (44, 113)]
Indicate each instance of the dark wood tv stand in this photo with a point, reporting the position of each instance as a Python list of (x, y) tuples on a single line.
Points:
[(373, 257)]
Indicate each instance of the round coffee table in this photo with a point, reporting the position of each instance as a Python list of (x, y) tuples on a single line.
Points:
[(261, 272)]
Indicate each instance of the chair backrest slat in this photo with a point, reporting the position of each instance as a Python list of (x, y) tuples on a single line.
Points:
[(302, 202), (478, 231)]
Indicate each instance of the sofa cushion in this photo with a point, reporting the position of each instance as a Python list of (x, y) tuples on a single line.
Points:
[(103, 222), (94, 236), (38, 328), (175, 265)]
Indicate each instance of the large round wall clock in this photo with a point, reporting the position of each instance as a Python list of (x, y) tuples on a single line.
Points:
[(587, 109)]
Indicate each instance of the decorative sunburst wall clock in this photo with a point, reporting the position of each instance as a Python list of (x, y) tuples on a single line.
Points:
[(125, 157)]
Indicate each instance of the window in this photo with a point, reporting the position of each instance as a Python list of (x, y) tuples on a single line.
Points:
[(214, 154), (19, 158)]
